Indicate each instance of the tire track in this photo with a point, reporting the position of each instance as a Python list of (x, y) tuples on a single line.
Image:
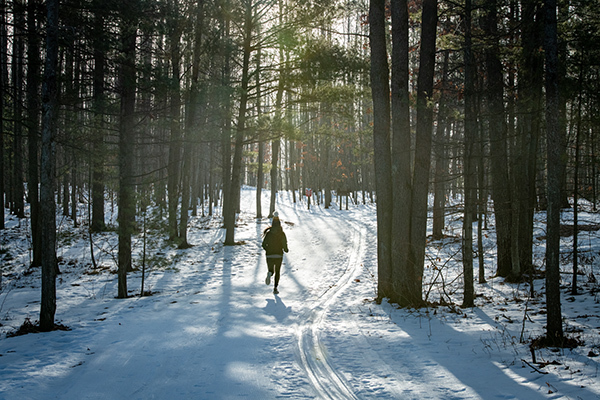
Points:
[(327, 381)]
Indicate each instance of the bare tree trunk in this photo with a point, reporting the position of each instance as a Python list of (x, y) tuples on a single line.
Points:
[(126, 218), (275, 147), (18, 205), (276, 142), (33, 128), (530, 94), (498, 145), (191, 130), (260, 175), (175, 116), (441, 158), (422, 162), (576, 173), (401, 153), (469, 162), (97, 153), (381, 145), (234, 189), (554, 329), (47, 200)]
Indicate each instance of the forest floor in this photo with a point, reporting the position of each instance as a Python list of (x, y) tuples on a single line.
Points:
[(209, 327)]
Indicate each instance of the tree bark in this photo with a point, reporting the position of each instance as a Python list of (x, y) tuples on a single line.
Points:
[(469, 161), (191, 130), (498, 144), (47, 161), (554, 330), (234, 189), (33, 128), (441, 158), (98, 99), (422, 163), (401, 153), (126, 217), (381, 145), (17, 192), (175, 117), (530, 94), (275, 147)]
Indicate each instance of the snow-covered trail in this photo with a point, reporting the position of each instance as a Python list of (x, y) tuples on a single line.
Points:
[(327, 381)]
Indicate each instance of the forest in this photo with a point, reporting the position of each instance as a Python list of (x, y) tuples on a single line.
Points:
[(166, 108)]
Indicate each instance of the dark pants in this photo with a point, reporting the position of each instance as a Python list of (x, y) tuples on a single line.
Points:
[(274, 265)]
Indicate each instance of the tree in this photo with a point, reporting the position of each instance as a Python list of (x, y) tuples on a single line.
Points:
[(469, 161), (47, 201), (527, 142), (422, 162), (498, 141), (174, 166), (33, 61), (17, 194), (191, 124), (97, 153), (401, 149), (234, 188), (441, 155), (126, 218), (554, 330), (381, 145)]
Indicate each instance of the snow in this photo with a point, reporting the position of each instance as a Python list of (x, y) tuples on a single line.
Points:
[(212, 329)]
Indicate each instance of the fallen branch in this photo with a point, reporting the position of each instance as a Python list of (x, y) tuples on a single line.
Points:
[(534, 368)]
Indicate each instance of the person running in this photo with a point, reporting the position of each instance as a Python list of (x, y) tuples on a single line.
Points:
[(275, 243)]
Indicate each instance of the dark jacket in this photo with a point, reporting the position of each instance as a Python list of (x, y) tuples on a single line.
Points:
[(275, 241)]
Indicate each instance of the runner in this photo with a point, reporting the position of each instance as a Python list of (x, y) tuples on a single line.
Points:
[(275, 243)]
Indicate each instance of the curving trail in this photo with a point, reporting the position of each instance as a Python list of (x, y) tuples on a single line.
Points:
[(327, 381), (346, 240)]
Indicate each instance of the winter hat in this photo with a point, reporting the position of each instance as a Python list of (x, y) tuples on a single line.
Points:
[(276, 219)]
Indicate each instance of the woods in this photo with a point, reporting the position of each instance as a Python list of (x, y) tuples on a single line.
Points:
[(171, 106)]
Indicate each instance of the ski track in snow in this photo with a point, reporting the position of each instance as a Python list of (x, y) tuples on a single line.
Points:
[(327, 381)]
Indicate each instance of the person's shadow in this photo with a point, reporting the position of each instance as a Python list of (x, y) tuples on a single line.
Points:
[(277, 308)]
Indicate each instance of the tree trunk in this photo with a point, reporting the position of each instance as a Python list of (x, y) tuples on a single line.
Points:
[(530, 94), (126, 217), (401, 154), (260, 175), (33, 129), (498, 145), (175, 117), (98, 99), (381, 146), (17, 204), (441, 158), (563, 16), (469, 162), (422, 162), (275, 147), (191, 131), (47, 200), (554, 330), (234, 189)]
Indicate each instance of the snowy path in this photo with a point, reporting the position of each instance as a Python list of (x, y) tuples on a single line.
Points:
[(323, 376)]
